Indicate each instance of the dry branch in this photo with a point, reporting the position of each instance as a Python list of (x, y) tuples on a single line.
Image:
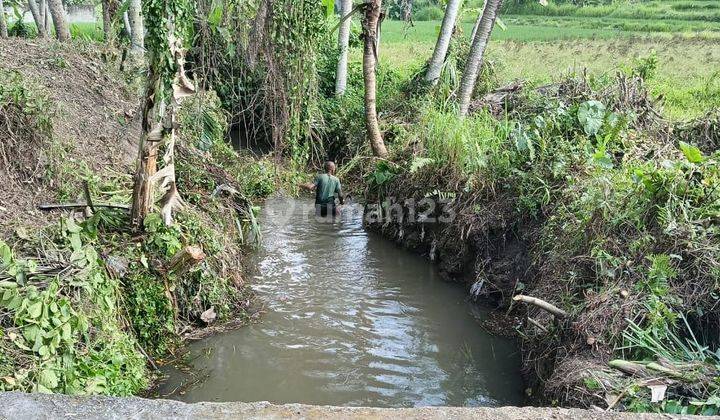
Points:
[(67, 206), (542, 305), (540, 326)]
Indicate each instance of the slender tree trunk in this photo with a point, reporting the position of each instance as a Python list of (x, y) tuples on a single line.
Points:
[(126, 24), (137, 34), (407, 10), (38, 17), (343, 45), (477, 24), (42, 8), (47, 16), (370, 25), (3, 22), (42, 33), (443, 42), (107, 24), (62, 29), (477, 52)]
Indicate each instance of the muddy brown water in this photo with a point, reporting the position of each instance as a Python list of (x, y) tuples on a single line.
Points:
[(352, 320)]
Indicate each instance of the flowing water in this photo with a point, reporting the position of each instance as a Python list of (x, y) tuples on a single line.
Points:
[(354, 320)]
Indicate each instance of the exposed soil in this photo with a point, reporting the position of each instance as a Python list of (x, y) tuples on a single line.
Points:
[(94, 120)]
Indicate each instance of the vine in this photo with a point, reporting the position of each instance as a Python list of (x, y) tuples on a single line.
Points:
[(260, 56)]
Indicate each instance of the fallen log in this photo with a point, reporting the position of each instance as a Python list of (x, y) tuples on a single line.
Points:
[(542, 305)]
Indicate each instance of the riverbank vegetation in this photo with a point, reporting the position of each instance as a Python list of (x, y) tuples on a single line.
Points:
[(581, 169)]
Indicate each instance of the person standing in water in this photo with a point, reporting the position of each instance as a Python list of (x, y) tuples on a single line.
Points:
[(327, 187)]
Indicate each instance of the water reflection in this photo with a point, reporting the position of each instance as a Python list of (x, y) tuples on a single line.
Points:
[(353, 320)]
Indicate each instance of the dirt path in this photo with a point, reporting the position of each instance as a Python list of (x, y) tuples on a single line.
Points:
[(18, 406)]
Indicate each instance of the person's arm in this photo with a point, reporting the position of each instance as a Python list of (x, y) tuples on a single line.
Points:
[(339, 194), (310, 186)]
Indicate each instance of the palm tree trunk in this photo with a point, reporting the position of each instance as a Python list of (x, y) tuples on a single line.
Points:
[(443, 42), (3, 22), (477, 53), (160, 132), (62, 29), (370, 28), (137, 26), (477, 25), (343, 45)]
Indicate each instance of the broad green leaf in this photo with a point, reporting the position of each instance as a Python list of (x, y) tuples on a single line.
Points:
[(215, 16), (40, 389), (5, 253), (501, 24), (30, 333), (591, 115), (75, 242), (66, 332), (692, 153), (71, 226), (329, 7), (35, 310), (48, 379)]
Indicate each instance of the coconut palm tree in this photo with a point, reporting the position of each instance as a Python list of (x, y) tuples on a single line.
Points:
[(371, 24), (343, 45), (443, 42), (477, 53)]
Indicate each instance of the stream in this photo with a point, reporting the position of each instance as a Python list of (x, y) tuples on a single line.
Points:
[(353, 320)]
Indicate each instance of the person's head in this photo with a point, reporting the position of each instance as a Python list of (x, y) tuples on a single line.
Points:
[(330, 167)]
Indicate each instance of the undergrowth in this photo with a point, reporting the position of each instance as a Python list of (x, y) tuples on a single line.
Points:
[(615, 209), (88, 306)]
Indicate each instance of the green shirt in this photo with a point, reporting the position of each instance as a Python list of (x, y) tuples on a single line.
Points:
[(326, 187)]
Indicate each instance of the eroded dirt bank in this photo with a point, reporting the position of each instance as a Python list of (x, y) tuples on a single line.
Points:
[(37, 406)]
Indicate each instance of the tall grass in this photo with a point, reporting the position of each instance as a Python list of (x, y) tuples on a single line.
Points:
[(471, 145)]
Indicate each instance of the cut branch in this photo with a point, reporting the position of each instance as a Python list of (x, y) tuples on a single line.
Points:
[(88, 198), (629, 368), (186, 259), (540, 326), (542, 305), (68, 206)]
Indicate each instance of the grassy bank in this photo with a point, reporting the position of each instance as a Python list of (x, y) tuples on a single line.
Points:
[(595, 191), (88, 305), (577, 197)]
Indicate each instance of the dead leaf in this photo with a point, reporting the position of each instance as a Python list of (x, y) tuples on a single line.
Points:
[(209, 315)]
